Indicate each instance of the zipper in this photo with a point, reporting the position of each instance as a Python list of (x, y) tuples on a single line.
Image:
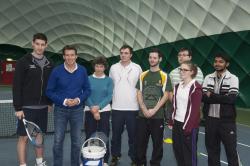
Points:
[(41, 89)]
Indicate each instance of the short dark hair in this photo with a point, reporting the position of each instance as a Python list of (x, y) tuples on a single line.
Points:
[(125, 46), (156, 50), (223, 56), (192, 67), (69, 47), (40, 36), (100, 60), (186, 49)]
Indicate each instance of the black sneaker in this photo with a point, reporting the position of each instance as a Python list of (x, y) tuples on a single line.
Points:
[(114, 161)]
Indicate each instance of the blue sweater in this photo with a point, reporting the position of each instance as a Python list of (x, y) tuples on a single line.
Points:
[(63, 84), (101, 91)]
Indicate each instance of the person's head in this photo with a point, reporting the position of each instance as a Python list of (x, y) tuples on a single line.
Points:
[(188, 70), (126, 53), (221, 62), (69, 54), (155, 57), (39, 43), (184, 54), (100, 64)]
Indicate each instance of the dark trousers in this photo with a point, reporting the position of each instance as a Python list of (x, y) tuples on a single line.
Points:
[(92, 126), (184, 146), (218, 131), (119, 120), (144, 129)]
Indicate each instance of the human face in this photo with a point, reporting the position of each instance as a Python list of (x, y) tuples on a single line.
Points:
[(70, 57), (154, 59), (183, 56), (39, 46), (185, 72), (125, 55), (220, 64), (99, 69)]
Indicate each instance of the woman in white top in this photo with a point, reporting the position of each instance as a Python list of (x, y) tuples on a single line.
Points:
[(186, 115)]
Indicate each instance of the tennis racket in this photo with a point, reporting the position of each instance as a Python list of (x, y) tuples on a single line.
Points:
[(34, 133)]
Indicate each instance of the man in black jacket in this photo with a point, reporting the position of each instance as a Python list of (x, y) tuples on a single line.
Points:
[(29, 85), (220, 91)]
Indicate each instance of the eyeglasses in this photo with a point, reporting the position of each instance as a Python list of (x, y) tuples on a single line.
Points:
[(184, 70)]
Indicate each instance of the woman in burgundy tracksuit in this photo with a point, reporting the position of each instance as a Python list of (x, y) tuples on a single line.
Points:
[(186, 116)]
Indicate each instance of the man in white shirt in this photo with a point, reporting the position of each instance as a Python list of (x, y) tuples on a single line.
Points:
[(125, 75)]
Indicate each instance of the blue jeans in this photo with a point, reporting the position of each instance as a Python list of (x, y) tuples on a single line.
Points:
[(119, 120), (61, 118)]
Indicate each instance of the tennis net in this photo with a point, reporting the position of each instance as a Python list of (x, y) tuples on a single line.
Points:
[(8, 120)]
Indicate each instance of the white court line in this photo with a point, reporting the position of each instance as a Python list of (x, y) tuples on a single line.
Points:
[(243, 144), (242, 125), (203, 154), (239, 143), (6, 101)]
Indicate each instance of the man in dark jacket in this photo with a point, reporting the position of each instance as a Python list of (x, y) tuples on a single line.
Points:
[(220, 90), (29, 99)]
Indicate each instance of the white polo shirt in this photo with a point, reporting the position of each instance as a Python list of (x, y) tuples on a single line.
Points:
[(125, 80)]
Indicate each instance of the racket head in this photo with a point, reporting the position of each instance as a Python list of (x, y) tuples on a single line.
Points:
[(34, 133)]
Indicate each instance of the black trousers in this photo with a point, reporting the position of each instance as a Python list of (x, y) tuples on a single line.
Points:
[(120, 119), (184, 146), (103, 125), (144, 129), (218, 131)]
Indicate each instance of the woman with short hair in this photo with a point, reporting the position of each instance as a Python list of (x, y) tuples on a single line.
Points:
[(97, 110)]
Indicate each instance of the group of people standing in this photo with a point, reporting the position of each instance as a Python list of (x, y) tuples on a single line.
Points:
[(138, 100)]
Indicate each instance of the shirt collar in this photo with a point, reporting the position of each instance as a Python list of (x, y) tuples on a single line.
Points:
[(98, 77), (71, 71), (128, 66), (188, 85), (227, 74), (37, 56)]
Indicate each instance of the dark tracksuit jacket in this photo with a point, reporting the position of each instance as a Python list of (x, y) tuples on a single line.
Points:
[(30, 83)]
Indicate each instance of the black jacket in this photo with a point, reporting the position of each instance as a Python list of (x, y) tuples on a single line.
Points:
[(30, 83)]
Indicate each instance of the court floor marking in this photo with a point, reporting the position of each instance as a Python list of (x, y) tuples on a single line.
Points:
[(239, 143), (243, 125), (205, 155)]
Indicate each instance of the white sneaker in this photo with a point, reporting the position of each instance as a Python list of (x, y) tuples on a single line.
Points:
[(105, 164), (42, 164)]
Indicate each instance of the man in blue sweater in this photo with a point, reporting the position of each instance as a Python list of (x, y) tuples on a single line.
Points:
[(68, 88)]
